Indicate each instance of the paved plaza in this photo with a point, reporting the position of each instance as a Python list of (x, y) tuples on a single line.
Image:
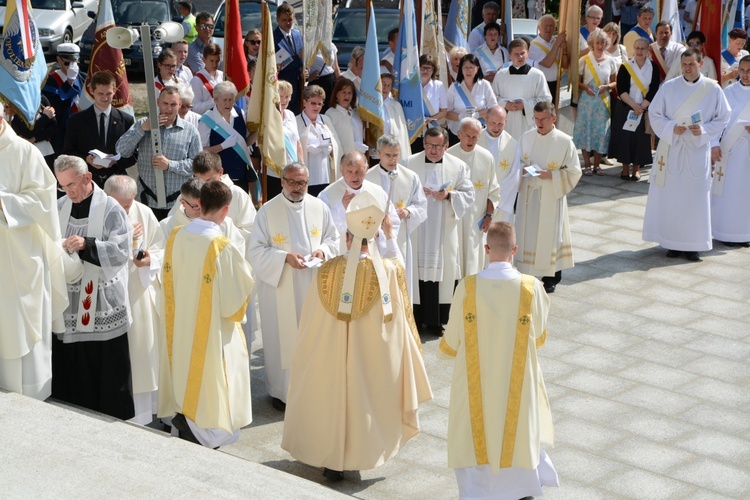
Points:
[(645, 366)]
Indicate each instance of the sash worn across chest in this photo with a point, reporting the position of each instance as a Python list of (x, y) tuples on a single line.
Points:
[(225, 131), (635, 77), (206, 83), (727, 142), (597, 79), (656, 56)]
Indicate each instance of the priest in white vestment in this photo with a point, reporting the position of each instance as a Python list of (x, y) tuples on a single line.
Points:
[(446, 182), (518, 88), (476, 222), (204, 380), (542, 226), (730, 204), (499, 421), (406, 194), (34, 295), (291, 230), (358, 376), (688, 114), (91, 359), (143, 286), (352, 182), (504, 149)]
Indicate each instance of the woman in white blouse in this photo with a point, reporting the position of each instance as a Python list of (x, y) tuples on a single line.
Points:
[(292, 143), (345, 118), (320, 144), (470, 96), (615, 50), (434, 96)]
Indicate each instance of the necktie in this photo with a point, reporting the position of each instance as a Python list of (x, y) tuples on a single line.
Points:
[(663, 51), (291, 43), (102, 132)]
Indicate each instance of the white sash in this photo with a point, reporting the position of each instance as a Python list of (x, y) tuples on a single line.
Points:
[(658, 171), (213, 120), (90, 281), (286, 307), (487, 57), (727, 142)]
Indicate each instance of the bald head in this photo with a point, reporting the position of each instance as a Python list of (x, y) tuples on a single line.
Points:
[(496, 118)]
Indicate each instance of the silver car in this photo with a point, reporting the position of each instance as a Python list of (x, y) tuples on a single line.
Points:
[(58, 21)]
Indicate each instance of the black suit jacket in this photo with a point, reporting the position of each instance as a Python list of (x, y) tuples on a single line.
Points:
[(82, 135)]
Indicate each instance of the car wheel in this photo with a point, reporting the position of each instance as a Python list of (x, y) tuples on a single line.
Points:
[(67, 36)]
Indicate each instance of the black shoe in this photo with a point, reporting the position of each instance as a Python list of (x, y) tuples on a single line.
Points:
[(183, 429), (278, 404), (693, 256), (333, 475), (549, 287), (672, 254), (745, 244), (729, 243)]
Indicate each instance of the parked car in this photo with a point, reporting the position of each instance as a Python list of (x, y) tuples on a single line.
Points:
[(525, 28), (250, 17), (350, 30), (58, 21), (131, 14)]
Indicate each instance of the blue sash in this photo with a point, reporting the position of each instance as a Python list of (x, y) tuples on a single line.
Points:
[(465, 98), (290, 149), (487, 58), (728, 57), (643, 33), (585, 33), (223, 133)]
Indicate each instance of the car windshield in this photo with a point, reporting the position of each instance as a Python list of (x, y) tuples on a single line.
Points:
[(129, 12), (250, 16), (350, 25), (47, 4)]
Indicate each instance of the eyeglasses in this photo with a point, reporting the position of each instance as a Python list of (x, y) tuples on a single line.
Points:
[(205, 27), (169, 66), (194, 207), (694, 44), (428, 145), (299, 184), (253, 42), (594, 18), (71, 186)]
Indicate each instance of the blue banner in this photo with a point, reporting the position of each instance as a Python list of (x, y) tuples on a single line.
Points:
[(370, 93), (456, 31), (407, 85)]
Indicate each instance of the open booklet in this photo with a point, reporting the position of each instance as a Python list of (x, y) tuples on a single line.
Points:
[(103, 159), (632, 122), (694, 119)]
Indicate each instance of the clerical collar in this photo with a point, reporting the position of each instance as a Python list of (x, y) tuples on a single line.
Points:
[(291, 201), (427, 160), (693, 81), (522, 70), (385, 169)]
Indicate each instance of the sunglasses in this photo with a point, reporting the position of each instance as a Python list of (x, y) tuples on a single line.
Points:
[(253, 42), (205, 27)]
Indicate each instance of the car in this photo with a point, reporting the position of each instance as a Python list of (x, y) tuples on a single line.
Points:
[(525, 28), (350, 28), (131, 14), (58, 21), (250, 17)]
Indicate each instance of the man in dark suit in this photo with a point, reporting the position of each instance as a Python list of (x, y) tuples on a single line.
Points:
[(84, 132), (291, 67)]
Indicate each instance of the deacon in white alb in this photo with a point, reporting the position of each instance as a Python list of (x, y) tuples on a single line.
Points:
[(504, 150)]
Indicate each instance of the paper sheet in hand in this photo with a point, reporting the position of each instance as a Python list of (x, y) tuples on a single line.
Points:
[(632, 122), (283, 57), (103, 159), (312, 262), (694, 119), (445, 186), (532, 171)]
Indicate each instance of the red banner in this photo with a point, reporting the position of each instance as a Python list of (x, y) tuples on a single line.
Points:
[(710, 22), (235, 64)]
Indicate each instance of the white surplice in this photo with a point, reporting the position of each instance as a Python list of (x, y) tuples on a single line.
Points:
[(542, 226), (503, 149), (730, 211), (33, 295), (483, 177), (678, 215), (143, 287), (436, 245), (408, 195), (268, 259), (532, 88)]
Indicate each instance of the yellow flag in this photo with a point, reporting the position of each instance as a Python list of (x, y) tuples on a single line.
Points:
[(263, 115)]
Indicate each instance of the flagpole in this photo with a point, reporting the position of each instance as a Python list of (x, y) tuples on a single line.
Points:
[(263, 52)]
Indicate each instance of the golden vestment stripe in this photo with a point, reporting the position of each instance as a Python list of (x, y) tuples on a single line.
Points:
[(202, 328), (168, 278), (472, 371), (518, 370)]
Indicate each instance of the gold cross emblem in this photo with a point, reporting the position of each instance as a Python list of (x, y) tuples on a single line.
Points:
[(526, 159), (524, 319), (470, 318), (661, 163), (479, 184), (368, 222), (315, 231), (401, 204), (279, 239), (207, 278), (552, 166), (504, 164), (720, 174), (167, 267)]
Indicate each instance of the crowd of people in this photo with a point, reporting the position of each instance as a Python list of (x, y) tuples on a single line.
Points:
[(149, 268)]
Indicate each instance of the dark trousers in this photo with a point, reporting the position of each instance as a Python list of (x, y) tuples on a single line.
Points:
[(553, 89), (552, 280), (430, 311)]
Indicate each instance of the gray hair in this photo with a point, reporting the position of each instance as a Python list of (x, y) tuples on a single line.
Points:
[(644, 40), (121, 185), (388, 141), (351, 157), (225, 88), (594, 9), (186, 92), (646, 9), (469, 121), (357, 52), (598, 34), (297, 165), (458, 49), (67, 162), (545, 17)]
